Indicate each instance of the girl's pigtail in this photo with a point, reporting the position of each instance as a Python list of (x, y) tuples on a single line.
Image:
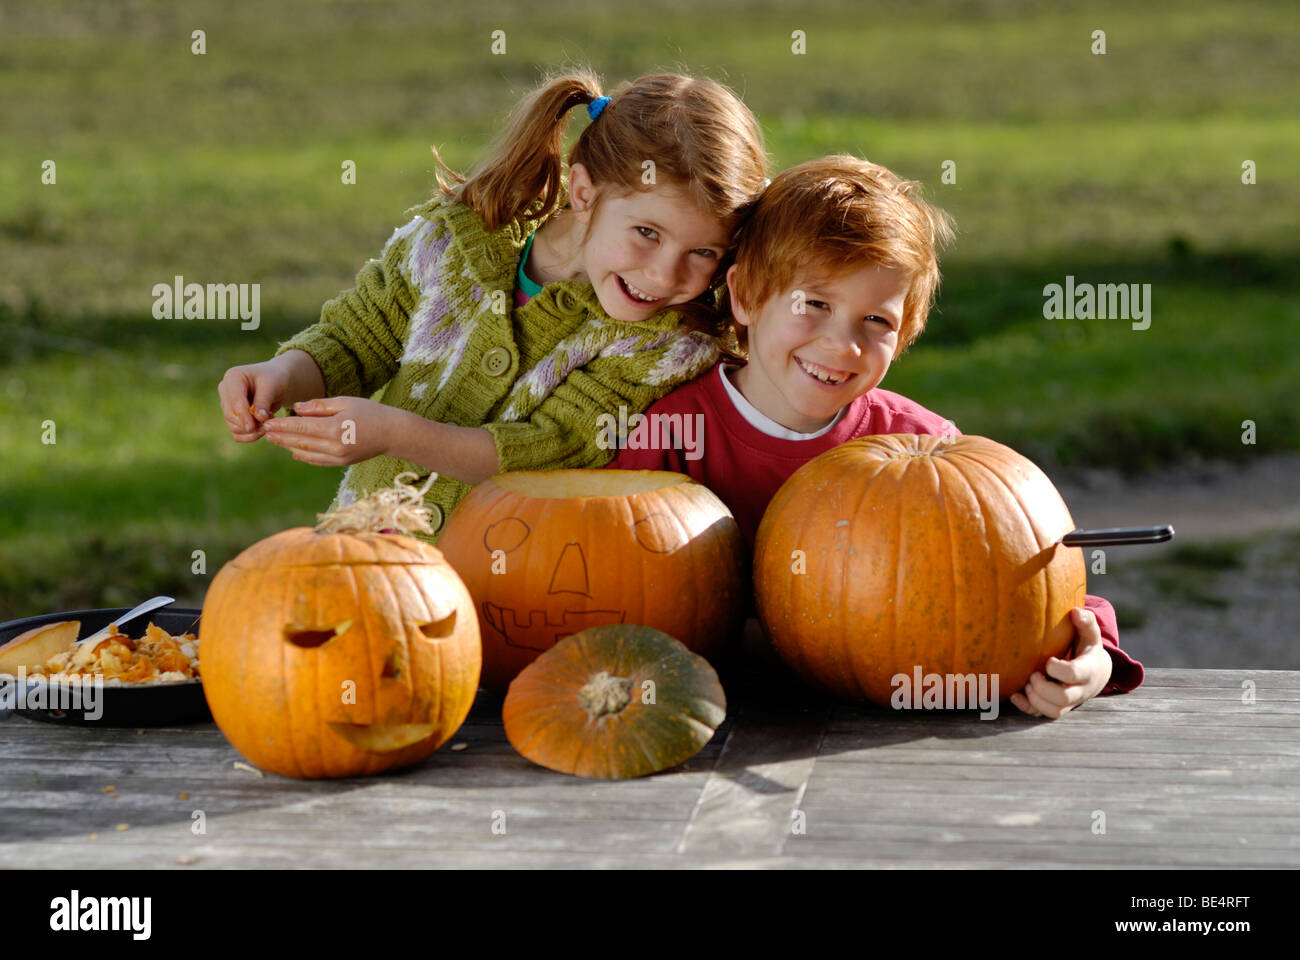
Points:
[(524, 167)]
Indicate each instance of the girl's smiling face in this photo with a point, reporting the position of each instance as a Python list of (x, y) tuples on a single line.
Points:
[(805, 367), (646, 250)]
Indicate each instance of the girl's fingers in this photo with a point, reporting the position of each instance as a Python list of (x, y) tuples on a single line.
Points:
[(293, 436), (241, 433), (322, 407), (234, 392), (317, 459), (306, 448)]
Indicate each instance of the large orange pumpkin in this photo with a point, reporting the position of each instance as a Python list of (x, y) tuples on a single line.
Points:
[(334, 655), (547, 554), (895, 552), (612, 702)]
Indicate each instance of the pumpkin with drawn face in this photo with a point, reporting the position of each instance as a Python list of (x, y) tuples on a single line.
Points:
[(548, 554), (339, 654)]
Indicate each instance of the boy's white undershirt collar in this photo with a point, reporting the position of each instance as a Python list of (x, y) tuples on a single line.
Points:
[(759, 420)]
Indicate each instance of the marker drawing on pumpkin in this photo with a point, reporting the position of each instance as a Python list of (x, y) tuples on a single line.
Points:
[(548, 554), (531, 633), (522, 628), (655, 532)]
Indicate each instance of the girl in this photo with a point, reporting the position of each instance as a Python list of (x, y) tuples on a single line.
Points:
[(611, 295)]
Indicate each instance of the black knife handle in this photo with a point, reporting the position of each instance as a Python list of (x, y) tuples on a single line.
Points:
[(1118, 536)]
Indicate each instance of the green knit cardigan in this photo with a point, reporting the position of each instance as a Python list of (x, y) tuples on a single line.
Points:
[(434, 320)]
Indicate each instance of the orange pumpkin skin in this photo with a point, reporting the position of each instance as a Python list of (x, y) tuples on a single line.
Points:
[(298, 698), (548, 554), (612, 702), (938, 552)]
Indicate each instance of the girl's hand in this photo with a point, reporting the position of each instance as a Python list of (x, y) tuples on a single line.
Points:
[(336, 431), (250, 395), (1074, 681)]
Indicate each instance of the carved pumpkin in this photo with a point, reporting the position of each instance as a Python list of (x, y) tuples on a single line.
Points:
[(338, 654), (898, 551), (547, 554), (613, 702)]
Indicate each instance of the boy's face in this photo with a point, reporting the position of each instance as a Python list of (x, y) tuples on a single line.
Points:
[(805, 367), (646, 250)]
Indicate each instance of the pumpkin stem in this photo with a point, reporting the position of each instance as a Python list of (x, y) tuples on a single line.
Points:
[(398, 508), (604, 694)]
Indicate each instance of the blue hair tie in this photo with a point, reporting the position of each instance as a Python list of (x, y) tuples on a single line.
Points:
[(596, 106)]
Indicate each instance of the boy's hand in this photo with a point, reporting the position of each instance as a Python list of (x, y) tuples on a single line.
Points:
[(336, 431), (1071, 681)]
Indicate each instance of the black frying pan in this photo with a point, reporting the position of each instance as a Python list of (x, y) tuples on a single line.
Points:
[(128, 705)]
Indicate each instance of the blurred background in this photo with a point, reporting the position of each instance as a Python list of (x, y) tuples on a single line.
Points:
[(1122, 167)]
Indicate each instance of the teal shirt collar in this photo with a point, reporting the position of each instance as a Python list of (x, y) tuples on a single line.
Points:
[(530, 288)]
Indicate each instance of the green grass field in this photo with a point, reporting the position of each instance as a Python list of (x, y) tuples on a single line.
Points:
[(225, 167)]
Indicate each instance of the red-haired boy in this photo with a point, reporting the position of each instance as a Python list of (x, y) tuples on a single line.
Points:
[(835, 274)]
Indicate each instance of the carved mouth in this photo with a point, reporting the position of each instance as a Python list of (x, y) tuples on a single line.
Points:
[(384, 737), (538, 631)]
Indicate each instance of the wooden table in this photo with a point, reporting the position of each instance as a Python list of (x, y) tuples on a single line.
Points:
[(1182, 772)]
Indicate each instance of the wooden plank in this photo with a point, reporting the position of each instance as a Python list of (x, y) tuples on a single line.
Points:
[(1229, 706), (746, 806), (1195, 676), (238, 786), (932, 764), (1071, 727), (1217, 788), (270, 856), (209, 856), (1276, 711), (1142, 843), (1131, 820), (1105, 850), (65, 804), (1100, 741), (1184, 771), (1064, 772)]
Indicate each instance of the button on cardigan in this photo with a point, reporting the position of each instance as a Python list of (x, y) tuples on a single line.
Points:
[(434, 319)]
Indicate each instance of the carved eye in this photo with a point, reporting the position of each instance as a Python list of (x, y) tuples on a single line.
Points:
[(308, 637), (439, 629), (506, 535), (660, 533)]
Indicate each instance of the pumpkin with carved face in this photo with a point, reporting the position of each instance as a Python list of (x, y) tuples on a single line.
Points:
[(340, 654), (547, 554)]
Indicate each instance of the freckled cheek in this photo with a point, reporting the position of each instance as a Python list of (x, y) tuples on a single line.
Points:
[(697, 280), (620, 256), (883, 354), (787, 345), (795, 331)]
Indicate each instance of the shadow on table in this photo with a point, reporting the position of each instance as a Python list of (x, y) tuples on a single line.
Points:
[(771, 717)]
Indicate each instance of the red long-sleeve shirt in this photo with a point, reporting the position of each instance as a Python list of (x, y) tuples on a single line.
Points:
[(745, 466)]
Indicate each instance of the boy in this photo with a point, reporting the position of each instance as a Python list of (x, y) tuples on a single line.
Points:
[(834, 276)]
